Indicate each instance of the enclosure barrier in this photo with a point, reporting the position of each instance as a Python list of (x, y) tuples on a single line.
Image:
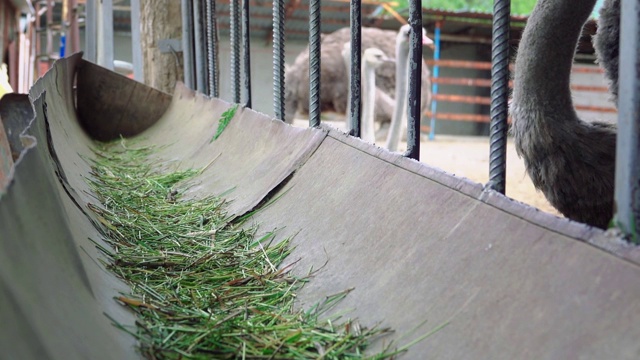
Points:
[(499, 87), (499, 95)]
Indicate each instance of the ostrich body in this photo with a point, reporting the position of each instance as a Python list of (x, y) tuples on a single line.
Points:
[(571, 161), (333, 74)]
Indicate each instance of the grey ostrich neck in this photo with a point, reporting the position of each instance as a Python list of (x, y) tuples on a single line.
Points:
[(369, 99), (402, 57), (346, 56), (545, 57)]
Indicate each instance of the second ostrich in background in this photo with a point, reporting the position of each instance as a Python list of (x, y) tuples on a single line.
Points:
[(333, 74), (371, 60), (399, 120)]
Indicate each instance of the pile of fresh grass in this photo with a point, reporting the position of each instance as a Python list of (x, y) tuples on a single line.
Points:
[(201, 285)]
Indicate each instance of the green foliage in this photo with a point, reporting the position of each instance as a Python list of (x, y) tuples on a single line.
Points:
[(204, 286), (518, 7), (224, 121)]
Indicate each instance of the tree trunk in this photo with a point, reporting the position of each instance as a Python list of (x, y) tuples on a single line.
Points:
[(160, 19)]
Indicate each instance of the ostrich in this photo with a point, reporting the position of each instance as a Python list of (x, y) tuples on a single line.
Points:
[(571, 161), (334, 84), (399, 120), (371, 60)]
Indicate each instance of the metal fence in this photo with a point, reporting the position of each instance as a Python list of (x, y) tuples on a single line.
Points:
[(200, 42)]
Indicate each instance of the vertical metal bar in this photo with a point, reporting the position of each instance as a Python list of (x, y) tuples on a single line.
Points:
[(187, 43), (234, 25), (278, 59), (246, 47), (627, 192), (136, 47), (74, 29), (499, 95), (50, 5), (415, 77), (314, 63), (198, 34), (355, 116), (213, 70), (105, 34), (38, 41), (90, 35), (434, 87), (64, 25)]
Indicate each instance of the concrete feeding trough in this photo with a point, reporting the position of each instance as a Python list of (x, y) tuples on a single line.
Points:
[(415, 243)]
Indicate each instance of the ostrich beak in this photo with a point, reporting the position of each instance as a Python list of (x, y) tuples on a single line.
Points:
[(426, 41)]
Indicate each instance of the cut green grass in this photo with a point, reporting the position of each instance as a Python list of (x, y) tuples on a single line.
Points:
[(225, 118), (203, 286)]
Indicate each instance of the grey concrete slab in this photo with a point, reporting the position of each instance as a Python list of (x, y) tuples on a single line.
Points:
[(48, 308), (6, 159), (417, 244), (55, 296)]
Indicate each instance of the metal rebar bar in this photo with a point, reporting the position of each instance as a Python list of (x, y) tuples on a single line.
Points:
[(91, 32), (49, 49), (355, 108), (136, 44), (74, 28), (499, 95), (415, 76), (278, 59), (199, 46), (187, 43), (234, 38), (105, 34), (314, 63), (246, 47), (627, 192), (213, 70)]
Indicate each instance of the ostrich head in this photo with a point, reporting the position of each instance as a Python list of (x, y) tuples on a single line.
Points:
[(375, 57), (405, 32)]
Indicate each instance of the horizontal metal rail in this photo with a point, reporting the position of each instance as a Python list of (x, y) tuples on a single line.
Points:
[(487, 83), (459, 117), (485, 100), (485, 65)]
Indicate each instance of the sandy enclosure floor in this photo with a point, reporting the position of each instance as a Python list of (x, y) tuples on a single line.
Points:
[(469, 157)]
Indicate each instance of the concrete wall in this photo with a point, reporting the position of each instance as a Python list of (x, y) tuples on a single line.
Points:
[(261, 71), (467, 52), (592, 98)]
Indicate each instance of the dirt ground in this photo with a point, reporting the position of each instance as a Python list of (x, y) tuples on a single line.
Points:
[(469, 157)]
